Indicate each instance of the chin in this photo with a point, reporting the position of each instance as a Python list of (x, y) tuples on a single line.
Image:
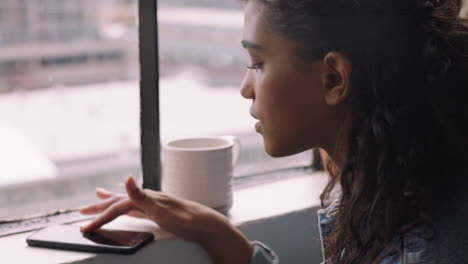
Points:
[(278, 150), (274, 154)]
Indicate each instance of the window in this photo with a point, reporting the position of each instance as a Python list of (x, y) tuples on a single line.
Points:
[(69, 115), (69, 102)]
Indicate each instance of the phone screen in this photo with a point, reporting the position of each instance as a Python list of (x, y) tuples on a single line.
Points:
[(101, 240)]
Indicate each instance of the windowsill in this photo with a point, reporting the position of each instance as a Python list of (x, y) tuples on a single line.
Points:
[(286, 206)]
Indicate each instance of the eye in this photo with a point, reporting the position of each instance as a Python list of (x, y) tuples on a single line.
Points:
[(255, 66)]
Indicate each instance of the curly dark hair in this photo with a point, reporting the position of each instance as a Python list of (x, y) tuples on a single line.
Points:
[(408, 139)]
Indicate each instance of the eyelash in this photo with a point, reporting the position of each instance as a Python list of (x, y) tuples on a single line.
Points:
[(255, 66)]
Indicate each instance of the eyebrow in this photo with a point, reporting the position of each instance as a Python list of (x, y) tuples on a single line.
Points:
[(250, 45)]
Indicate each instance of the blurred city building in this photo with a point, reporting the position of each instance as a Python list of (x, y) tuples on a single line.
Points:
[(44, 43), (230, 4), (49, 43)]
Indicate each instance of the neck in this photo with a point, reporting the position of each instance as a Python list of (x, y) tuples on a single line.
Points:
[(337, 146)]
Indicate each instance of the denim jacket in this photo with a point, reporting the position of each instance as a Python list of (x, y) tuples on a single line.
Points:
[(415, 249), (450, 222)]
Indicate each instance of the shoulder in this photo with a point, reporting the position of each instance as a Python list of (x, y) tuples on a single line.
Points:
[(445, 243), (416, 247), (420, 247), (448, 245)]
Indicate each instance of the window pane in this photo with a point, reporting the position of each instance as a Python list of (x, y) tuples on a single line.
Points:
[(69, 101), (202, 65)]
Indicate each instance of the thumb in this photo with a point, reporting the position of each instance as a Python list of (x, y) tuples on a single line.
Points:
[(136, 194)]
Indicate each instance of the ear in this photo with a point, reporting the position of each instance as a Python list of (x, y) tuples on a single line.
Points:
[(336, 77)]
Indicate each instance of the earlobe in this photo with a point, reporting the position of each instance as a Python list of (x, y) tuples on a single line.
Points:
[(336, 77)]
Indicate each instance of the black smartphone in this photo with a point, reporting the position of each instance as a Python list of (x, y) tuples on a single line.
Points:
[(100, 241)]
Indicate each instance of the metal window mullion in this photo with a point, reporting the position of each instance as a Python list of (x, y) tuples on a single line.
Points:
[(149, 94)]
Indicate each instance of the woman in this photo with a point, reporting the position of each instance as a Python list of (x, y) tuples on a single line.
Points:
[(382, 87)]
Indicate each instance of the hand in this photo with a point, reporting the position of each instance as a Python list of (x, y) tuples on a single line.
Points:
[(186, 219), (183, 218)]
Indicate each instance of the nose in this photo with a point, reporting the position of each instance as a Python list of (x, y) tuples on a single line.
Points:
[(246, 89)]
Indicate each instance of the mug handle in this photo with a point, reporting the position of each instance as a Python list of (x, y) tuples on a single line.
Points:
[(236, 149)]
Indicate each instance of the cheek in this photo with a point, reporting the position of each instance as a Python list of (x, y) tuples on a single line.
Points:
[(272, 98), (291, 111)]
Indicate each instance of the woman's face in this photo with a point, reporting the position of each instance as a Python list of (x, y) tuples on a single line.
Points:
[(287, 93)]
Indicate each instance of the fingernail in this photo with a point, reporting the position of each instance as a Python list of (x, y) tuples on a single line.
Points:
[(101, 190), (131, 183)]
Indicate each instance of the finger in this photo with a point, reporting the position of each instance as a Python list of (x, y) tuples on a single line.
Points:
[(100, 206), (103, 193), (138, 214), (138, 196), (117, 209)]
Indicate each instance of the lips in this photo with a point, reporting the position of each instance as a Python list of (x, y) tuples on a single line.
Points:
[(258, 126)]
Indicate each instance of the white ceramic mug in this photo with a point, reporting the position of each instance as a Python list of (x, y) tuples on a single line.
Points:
[(200, 169)]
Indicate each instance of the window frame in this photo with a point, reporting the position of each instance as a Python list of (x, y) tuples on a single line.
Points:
[(149, 94)]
